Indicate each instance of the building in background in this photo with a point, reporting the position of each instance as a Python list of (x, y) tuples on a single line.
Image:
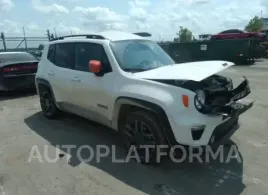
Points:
[(264, 24)]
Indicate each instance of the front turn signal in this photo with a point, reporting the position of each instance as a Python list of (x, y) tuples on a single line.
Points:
[(185, 100)]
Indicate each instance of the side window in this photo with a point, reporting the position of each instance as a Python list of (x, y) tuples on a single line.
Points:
[(64, 55), (84, 52), (51, 53), (105, 63)]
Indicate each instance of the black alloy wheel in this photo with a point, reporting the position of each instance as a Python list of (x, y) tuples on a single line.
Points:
[(47, 104), (142, 130)]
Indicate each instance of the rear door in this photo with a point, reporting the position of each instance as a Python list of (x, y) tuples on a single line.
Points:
[(60, 72)]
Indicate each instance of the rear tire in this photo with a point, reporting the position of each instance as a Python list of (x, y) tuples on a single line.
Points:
[(48, 105), (142, 128)]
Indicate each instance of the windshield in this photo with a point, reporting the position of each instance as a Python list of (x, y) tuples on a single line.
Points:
[(140, 55)]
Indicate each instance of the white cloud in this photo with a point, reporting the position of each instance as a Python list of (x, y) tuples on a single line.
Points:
[(200, 1), (53, 8), (100, 18), (161, 18), (63, 29), (99, 13), (10, 27), (33, 26), (6, 5), (140, 3), (139, 14), (13, 28)]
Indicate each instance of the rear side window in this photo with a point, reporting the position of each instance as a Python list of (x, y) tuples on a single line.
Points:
[(51, 53), (64, 55), (84, 52)]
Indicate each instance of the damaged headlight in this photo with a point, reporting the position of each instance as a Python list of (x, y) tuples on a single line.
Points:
[(229, 85), (200, 100)]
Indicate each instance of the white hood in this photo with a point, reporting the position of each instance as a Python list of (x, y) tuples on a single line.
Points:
[(195, 71)]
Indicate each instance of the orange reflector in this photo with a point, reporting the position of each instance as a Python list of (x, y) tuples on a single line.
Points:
[(185, 100)]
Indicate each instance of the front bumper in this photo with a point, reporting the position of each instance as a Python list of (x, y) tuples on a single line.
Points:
[(13, 82), (217, 127), (225, 130)]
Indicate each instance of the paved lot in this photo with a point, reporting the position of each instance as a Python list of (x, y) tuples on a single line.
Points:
[(23, 126)]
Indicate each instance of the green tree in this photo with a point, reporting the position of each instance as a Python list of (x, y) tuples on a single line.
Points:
[(254, 25), (184, 35)]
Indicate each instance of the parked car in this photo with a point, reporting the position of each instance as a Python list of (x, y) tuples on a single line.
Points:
[(130, 84), (17, 70), (265, 42), (237, 34), (38, 53)]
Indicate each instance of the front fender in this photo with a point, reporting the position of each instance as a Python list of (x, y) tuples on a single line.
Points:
[(142, 96)]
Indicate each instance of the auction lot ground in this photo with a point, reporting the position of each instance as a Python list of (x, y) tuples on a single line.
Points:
[(22, 126)]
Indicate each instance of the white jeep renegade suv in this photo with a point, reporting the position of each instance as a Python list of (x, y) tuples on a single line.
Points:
[(130, 84)]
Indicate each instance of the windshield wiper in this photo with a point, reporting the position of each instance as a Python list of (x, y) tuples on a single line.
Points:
[(135, 69)]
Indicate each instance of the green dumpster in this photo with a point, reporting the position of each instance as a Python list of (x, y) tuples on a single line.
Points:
[(237, 51)]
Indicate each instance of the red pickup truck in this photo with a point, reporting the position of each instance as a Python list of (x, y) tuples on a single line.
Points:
[(238, 34)]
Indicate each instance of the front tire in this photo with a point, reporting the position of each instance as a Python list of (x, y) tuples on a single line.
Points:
[(48, 105), (140, 130)]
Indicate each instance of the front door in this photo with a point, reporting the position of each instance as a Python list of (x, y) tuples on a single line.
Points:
[(91, 94)]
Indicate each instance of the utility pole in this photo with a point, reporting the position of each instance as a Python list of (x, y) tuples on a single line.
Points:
[(25, 41), (48, 35), (55, 32), (4, 41)]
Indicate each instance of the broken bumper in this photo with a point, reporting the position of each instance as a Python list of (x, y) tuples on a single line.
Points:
[(195, 129), (225, 130)]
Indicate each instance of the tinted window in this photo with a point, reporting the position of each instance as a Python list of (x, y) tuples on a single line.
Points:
[(84, 52), (64, 55), (51, 53), (106, 66)]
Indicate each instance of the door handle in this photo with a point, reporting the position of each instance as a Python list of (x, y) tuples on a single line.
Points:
[(51, 73), (75, 79)]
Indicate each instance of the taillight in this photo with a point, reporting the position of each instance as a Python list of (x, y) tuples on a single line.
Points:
[(6, 69), (20, 68)]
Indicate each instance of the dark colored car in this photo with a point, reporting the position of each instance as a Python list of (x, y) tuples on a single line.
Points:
[(238, 34), (17, 70)]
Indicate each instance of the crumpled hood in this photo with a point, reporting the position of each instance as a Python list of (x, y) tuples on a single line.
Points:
[(195, 71)]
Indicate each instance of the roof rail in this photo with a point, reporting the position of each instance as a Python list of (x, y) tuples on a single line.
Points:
[(88, 36), (143, 34)]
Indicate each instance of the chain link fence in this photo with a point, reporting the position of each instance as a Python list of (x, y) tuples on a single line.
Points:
[(28, 44)]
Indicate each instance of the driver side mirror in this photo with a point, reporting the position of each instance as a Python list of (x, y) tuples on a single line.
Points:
[(94, 66)]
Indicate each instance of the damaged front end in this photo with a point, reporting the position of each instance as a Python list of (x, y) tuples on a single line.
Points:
[(216, 95), (223, 101)]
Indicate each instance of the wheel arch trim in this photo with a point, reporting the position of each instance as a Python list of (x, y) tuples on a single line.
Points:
[(158, 110), (47, 83)]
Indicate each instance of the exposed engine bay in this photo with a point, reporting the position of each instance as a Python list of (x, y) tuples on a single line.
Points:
[(215, 94)]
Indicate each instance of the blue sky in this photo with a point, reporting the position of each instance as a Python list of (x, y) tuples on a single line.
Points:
[(160, 17)]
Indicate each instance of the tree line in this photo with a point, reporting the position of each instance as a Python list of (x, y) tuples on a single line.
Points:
[(186, 35)]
